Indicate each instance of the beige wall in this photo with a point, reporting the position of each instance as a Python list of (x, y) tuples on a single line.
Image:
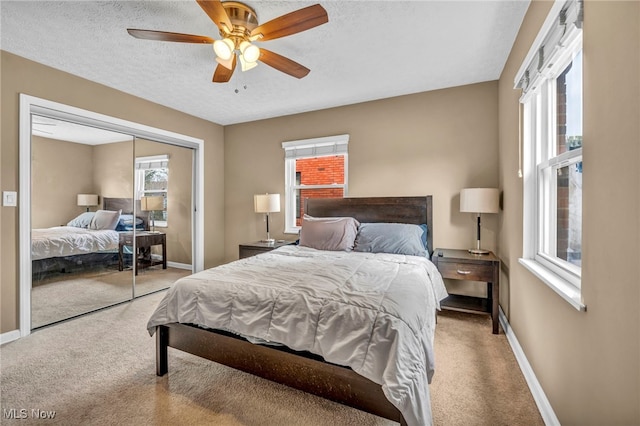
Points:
[(588, 363), (113, 169), (429, 143), (59, 171), (19, 75)]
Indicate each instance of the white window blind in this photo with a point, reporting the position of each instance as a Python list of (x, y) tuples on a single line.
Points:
[(563, 28), (153, 162), (318, 147)]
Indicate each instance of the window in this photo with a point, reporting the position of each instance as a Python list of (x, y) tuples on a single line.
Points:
[(152, 179), (551, 81), (314, 168)]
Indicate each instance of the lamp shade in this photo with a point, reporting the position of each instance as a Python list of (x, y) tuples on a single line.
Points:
[(153, 203), (250, 52), (480, 200), (87, 200), (266, 203), (223, 48)]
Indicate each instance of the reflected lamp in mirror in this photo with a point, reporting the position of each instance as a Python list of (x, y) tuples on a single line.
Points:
[(266, 203), (87, 200), (152, 204), (478, 201)]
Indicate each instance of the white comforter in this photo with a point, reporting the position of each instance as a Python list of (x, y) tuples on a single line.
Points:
[(372, 312), (68, 240)]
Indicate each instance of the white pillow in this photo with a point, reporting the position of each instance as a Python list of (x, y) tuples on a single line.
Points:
[(105, 219)]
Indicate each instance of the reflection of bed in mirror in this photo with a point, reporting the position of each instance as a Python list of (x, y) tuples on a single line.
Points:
[(77, 247)]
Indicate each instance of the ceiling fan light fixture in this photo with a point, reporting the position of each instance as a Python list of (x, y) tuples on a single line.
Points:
[(250, 52), (224, 48), (247, 65)]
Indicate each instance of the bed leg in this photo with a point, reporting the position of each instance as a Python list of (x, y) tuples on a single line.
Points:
[(162, 343)]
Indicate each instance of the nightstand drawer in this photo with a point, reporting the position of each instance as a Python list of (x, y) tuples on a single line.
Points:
[(258, 247), (466, 271), (249, 251)]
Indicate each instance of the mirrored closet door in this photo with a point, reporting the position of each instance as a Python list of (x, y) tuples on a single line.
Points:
[(111, 218), (75, 244), (164, 182)]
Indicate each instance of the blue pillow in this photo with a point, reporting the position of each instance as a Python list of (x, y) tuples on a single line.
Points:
[(126, 223), (82, 221), (394, 238)]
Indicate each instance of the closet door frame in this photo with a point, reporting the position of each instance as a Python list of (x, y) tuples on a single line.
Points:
[(31, 105)]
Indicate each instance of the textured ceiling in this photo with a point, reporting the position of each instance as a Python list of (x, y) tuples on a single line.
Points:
[(368, 50)]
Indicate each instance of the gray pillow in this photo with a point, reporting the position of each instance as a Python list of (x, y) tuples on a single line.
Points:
[(82, 221), (328, 233), (105, 219), (395, 238)]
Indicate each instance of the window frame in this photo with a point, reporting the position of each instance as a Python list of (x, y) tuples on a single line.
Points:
[(310, 148), (540, 163), (140, 184)]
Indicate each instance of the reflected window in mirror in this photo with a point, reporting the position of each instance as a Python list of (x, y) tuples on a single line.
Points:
[(152, 180)]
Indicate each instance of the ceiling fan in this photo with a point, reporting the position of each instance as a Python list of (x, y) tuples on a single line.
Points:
[(238, 27)]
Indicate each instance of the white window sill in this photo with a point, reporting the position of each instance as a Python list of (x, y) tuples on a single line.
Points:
[(561, 286)]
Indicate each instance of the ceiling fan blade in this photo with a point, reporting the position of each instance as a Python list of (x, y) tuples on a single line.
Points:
[(223, 74), (215, 11), (283, 64), (166, 36), (292, 23)]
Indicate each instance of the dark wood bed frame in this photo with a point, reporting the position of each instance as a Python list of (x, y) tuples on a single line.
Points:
[(303, 370)]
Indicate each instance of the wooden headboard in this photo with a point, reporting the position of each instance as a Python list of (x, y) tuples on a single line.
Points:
[(127, 207), (414, 210)]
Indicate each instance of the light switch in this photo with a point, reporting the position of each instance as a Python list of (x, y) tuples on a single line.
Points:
[(9, 198)]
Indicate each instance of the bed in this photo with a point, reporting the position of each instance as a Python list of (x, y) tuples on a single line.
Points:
[(74, 247), (324, 357)]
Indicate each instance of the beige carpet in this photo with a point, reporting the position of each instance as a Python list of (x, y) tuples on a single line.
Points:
[(62, 296), (100, 370)]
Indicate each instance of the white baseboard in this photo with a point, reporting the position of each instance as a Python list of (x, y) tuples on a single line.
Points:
[(544, 406), (179, 265), (9, 336)]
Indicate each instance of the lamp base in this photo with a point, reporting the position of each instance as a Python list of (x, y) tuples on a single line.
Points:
[(478, 251), (268, 241)]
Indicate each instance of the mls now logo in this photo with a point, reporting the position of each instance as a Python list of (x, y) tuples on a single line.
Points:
[(23, 413)]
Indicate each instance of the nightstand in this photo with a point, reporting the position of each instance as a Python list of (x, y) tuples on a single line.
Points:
[(462, 265), (144, 241), (251, 249)]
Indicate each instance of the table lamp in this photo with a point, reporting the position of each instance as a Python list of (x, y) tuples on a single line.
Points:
[(479, 200), (266, 203), (87, 200), (152, 204)]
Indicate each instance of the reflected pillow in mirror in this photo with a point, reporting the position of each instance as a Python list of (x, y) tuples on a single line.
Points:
[(82, 221), (105, 219), (126, 223)]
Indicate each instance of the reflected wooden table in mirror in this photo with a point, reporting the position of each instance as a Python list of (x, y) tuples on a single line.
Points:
[(144, 240)]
